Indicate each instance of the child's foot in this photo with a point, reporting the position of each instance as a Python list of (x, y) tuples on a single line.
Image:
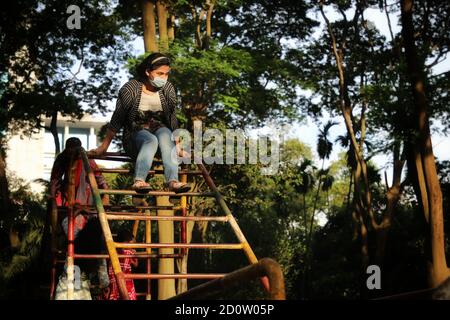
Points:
[(141, 186), (179, 187)]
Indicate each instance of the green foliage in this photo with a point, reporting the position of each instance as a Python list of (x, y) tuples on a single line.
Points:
[(21, 264), (51, 68), (261, 54), (273, 212)]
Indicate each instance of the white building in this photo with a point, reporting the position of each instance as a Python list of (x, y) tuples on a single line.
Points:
[(32, 158)]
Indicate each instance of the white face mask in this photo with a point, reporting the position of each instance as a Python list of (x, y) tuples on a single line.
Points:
[(158, 82)]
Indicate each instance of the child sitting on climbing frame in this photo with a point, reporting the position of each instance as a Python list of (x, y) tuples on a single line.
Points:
[(124, 235)]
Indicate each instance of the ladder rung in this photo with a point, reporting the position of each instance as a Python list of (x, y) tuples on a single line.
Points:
[(63, 210), (156, 193), (133, 216), (137, 255), (112, 158), (141, 294), (232, 246), (125, 171), (118, 156), (124, 207), (174, 275), (176, 208)]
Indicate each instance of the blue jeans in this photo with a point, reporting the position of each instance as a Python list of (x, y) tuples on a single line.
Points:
[(145, 145)]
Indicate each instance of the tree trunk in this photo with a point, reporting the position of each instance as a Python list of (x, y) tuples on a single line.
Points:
[(148, 17), (198, 32), (393, 194), (4, 187), (54, 132), (208, 24), (439, 271), (162, 25), (171, 28), (421, 183)]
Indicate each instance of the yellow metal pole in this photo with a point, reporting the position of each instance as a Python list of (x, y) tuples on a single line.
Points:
[(166, 287), (219, 198), (110, 245)]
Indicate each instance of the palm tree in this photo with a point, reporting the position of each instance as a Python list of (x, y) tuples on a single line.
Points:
[(324, 149)]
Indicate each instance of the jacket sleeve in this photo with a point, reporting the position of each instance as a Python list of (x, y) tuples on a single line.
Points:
[(122, 109), (173, 106)]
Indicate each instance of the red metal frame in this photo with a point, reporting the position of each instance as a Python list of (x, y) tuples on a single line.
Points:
[(183, 246)]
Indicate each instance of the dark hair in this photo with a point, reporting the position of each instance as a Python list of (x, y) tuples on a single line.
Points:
[(124, 235), (73, 143), (69, 150), (151, 62)]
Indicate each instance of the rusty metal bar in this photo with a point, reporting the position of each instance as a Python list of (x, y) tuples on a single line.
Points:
[(265, 267), (425, 294), (105, 227), (125, 171), (111, 158), (117, 156), (53, 223), (183, 234), (135, 213), (156, 193), (138, 255), (234, 225), (119, 216), (147, 208), (124, 207), (120, 256), (70, 230), (441, 292), (148, 238), (141, 276), (229, 246)]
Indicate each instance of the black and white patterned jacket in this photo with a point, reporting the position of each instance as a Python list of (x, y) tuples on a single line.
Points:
[(127, 107)]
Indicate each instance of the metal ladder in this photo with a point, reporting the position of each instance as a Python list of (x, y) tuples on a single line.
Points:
[(105, 216)]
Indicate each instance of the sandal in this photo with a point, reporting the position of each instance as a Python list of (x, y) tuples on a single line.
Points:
[(179, 187), (141, 186)]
